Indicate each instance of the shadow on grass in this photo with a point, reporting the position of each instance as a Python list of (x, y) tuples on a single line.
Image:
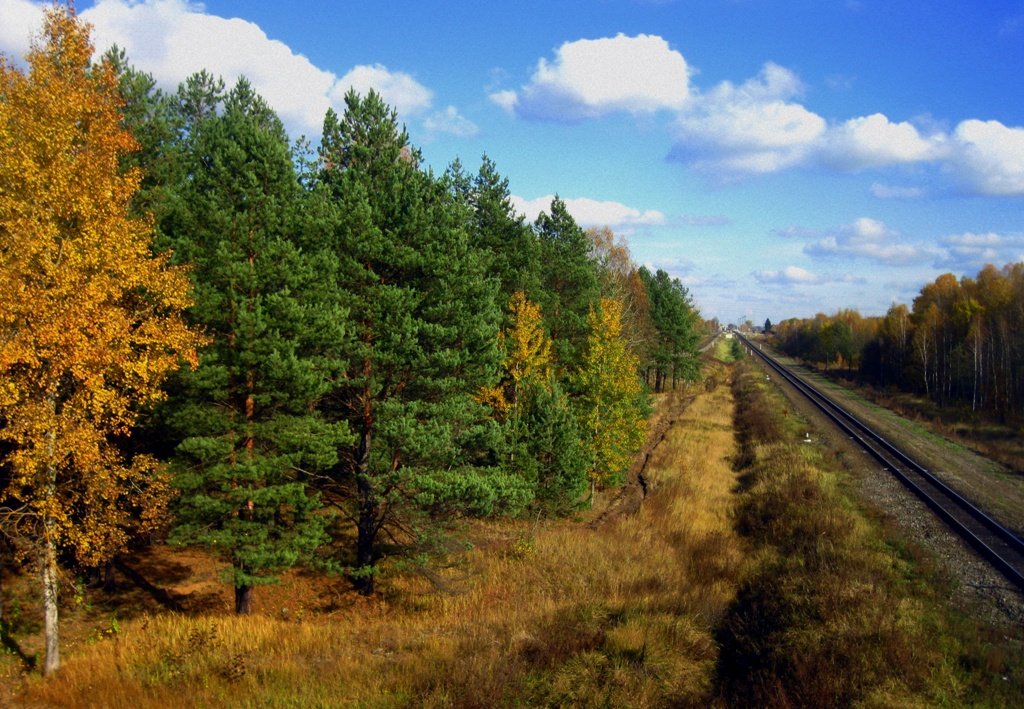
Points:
[(12, 646), (165, 598)]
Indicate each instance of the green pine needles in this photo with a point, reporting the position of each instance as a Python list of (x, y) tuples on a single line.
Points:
[(361, 389)]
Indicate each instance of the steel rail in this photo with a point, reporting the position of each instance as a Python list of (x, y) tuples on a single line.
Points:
[(1000, 546)]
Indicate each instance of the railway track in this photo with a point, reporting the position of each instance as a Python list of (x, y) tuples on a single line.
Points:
[(994, 542)]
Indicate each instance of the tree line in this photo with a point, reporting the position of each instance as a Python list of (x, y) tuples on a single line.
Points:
[(270, 349), (960, 343)]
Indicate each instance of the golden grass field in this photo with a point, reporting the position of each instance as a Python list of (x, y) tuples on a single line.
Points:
[(746, 578)]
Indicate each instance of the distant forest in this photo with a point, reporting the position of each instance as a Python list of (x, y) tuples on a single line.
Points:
[(961, 343)]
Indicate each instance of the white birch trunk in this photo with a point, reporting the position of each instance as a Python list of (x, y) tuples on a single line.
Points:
[(48, 562)]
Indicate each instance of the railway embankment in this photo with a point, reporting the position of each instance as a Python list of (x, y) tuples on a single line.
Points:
[(979, 579), (838, 607), (989, 484)]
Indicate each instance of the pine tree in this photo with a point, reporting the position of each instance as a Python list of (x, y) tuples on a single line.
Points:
[(250, 435), (543, 444), (151, 116), (89, 320), (569, 282), (676, 322), (556, 457), (425, 322), (503, 234)]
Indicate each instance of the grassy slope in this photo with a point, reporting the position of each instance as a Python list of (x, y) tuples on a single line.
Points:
[(806, 604), (832, 612), (623, 614)]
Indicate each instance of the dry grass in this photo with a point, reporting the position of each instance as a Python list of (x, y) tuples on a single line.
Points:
[(807, 605), (832, 615), (621, 615)]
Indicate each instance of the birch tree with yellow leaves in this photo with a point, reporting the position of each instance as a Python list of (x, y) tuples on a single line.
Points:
[(89, 319), (612, 402)]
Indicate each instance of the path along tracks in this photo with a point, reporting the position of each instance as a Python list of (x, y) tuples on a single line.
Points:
[(994, 542)]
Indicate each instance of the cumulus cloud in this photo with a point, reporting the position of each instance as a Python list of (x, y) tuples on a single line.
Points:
[(594, 77), (172, 39), (450, 121), (750, 128), (18, 15), (591, 212), (759, 126), (990, 156), (871, 240), (505, 99), (875, 141), (398, 89), (790, 275)]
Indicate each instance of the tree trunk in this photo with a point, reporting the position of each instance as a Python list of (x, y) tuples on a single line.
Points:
[(367, 523), (243, 600), (366, 528), (48, 563), (48, 557), (109, 580), (364, 548)]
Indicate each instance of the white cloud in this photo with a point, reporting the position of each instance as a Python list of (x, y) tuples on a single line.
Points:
[(172, 39), (970, 251), (758, 127), (451, 122), (875, 141), (398, 89), (595, 77), (796, 276), (790, 275), (591, 212), (505, 99), (990, 156), (676, 264), (18, 17), (872, 240), (751, 128)]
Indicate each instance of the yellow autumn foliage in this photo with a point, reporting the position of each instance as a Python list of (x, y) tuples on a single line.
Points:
[(90, 320), (527, 355), (611, 403)]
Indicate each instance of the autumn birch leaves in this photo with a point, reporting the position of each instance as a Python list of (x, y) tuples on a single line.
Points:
[(89, 320)]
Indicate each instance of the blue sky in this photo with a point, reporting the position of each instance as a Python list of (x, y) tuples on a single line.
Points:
[(780, 157)]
